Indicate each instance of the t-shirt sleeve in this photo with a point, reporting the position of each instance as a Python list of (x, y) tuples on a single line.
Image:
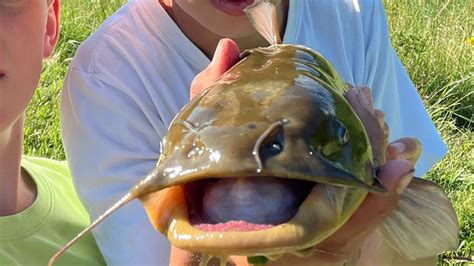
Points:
[(110, 145), (393, 90)]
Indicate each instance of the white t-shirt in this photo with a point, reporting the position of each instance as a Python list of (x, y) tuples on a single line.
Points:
[(129, 79)]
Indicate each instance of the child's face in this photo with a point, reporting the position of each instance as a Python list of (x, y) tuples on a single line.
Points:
[(28, 33)]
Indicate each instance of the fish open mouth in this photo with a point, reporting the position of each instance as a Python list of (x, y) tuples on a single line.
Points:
[(244, 204), (252, 216)]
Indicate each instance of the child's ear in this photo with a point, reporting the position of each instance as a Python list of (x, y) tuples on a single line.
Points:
[(51, 34)]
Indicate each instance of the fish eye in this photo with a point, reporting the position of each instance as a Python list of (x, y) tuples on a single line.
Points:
[(271, 148)]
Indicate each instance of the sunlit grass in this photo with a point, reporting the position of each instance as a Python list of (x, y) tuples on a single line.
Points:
[(431, 38)]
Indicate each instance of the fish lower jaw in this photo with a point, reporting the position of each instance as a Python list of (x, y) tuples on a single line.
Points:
[(240, 226), (315, 219)]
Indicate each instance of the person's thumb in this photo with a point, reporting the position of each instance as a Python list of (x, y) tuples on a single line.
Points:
[(226, 55)]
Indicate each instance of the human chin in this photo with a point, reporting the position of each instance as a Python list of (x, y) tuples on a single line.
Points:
[(10, 111), (16, 91)]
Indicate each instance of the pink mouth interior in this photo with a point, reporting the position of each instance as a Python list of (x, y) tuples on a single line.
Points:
[(240, 226)]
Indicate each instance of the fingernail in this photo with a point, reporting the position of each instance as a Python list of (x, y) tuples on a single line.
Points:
[(217, 51), (379, 113), (367, 93), (399, 147), (362, 97), (404, 181)]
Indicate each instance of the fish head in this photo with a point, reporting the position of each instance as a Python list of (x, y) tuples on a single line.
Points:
[(269, 160)]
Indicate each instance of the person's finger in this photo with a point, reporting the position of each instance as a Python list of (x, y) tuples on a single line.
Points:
[(368, 96), (226, 55), (380, 115), (371, 121), (405, 148), (395, 175)]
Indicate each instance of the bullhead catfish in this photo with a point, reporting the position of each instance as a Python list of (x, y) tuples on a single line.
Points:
[(271, 160)]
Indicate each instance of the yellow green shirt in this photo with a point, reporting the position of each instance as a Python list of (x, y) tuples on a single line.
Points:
[(34, 235)]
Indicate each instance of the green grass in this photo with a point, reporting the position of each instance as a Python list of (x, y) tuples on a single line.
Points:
[(42, 128), (430, 38)]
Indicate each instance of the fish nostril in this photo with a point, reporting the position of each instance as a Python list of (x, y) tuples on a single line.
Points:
[(193, 147), (195, 152)]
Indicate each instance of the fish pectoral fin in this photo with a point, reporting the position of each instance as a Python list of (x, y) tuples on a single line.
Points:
[(423, 224)]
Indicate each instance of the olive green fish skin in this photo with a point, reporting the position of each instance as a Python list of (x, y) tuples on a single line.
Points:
[(321, 138)]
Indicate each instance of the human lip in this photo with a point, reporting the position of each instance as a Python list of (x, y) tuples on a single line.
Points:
[(232, 7), (2, 74)]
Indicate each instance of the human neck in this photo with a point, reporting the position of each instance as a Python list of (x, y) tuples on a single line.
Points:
[(207, 40), (17, 190)]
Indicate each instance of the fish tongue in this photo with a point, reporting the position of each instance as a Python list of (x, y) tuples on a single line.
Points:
[(257, 200)]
